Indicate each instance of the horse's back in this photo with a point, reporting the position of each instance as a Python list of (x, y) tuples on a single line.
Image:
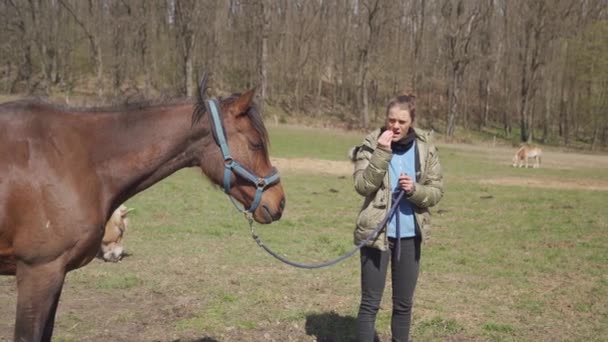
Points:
[(14, 135), (529, 151), (534, 151), (22, 109), (25, 120), (43, 171), (34, 131)]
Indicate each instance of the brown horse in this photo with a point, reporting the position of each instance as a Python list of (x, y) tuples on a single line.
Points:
[(64, 171)]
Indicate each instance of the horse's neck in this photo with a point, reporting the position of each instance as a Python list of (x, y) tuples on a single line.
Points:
[(138, 149)]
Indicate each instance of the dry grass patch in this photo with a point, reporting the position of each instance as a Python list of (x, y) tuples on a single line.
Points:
[(307, 165), (573, 184)]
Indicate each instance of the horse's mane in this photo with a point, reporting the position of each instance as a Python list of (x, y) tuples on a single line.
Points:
[(200, 108), (140, 105), (122, 107)]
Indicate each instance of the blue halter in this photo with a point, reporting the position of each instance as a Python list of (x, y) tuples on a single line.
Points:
[(230, 165)]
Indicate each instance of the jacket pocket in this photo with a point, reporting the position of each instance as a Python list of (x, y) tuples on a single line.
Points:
[(367, 222)]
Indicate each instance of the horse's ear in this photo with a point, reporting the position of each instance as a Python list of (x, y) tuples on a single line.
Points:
[(242, 104), (124, 213), (202, 88)]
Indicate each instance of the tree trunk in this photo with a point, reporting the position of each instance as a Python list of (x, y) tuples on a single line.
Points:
[(458, 37), (143, 47), (506, 85), (596, 136), (93, 45), (24, 72), (547, 118), (263, 67), (186, 13), (566, 123), (25, 67), (99, 66), (345, 47), (453, 92), (364, 105), (486, 104), (524, 86), (418, 34), (373, 30)]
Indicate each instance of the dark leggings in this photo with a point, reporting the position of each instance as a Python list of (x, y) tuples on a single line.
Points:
[(374, 264)]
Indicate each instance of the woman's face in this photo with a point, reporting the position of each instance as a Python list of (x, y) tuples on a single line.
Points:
[(399, 121)]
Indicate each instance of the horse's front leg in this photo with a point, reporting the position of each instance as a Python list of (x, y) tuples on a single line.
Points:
[(38, 291)]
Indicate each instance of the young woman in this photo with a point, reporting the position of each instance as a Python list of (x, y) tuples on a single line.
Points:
[(392, 159)]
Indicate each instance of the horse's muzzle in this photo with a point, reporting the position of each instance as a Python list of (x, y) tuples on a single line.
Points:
[(268, 215)]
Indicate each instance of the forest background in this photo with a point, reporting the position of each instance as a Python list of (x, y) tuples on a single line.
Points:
[(534, 71)]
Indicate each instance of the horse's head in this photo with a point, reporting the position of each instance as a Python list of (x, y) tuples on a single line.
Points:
[(515, 159), (242, 166)]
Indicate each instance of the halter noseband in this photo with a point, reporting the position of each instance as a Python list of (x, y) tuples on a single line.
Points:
[(231, 165)]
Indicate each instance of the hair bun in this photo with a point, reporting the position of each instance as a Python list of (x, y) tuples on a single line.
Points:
[(406, 97)]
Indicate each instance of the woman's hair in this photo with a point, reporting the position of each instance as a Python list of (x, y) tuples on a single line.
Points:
[(404, 102)]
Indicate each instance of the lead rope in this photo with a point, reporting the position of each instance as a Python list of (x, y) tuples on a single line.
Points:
[(332, 262)]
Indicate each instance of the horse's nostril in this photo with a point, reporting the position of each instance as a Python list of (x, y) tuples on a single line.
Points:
[(282, 204)]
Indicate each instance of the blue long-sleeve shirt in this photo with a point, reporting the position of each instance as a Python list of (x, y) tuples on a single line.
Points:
[(402, 162)]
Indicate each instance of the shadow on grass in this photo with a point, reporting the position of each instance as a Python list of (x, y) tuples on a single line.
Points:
[(331, 327), (202, 339)]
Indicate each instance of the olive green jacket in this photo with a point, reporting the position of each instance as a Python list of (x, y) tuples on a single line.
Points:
[(372, 181)]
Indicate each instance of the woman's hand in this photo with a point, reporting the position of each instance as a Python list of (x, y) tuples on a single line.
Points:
[(407, 183), (385, 139)]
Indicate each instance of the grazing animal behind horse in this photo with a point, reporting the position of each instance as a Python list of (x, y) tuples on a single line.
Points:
[(525, 152), (111, 248), (64, 171)]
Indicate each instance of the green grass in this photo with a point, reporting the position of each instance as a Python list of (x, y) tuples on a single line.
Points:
[(436, 328), (503, 263), (297, 142)]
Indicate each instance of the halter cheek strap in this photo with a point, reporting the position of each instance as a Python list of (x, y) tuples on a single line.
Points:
[(232, 166)]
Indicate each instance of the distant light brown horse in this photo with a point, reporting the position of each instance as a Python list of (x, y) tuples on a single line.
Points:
[(525, 152), (112, 248), (64, 171)]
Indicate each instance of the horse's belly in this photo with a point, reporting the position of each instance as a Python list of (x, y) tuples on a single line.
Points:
[(8, 265), (87, 247)]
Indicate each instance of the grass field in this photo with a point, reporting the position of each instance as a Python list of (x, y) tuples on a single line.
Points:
[(514, 255)]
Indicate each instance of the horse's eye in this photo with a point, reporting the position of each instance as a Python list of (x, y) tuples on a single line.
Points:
[(256, 146)]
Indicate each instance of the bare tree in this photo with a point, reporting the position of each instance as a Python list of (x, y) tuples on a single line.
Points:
[(418, 14), (44, 19), (142, 44), (345, 18), (487, 37), (541, 23), (16, 27), (461, 23), (498, 61), (263, 59), (185, 14), (87, 26), (372, 12)]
